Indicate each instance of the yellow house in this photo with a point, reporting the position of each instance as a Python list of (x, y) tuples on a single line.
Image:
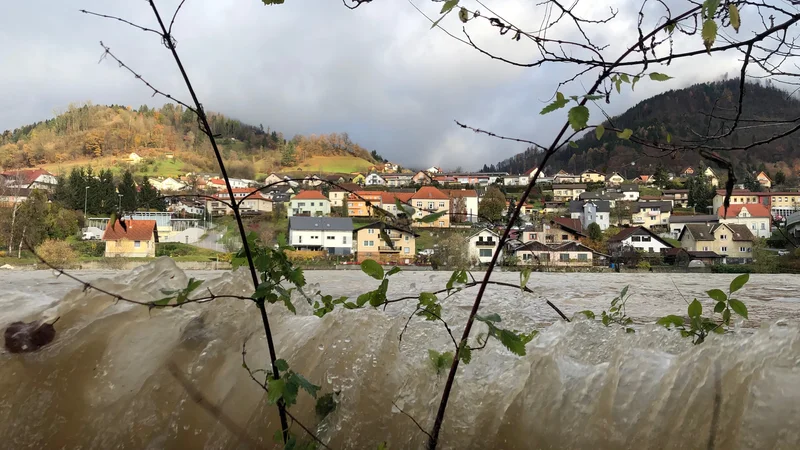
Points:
[(712, 176), (615, 179), (651, 214), (567, 192), (131, 239), (733, 241), (357, 204), (370, 244), (358, 178), (430, 200), (764, 180), (592, 176)]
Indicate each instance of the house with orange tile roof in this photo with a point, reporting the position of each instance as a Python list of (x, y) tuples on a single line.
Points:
[(309, 203), (131, 239), (361, 203), (430, 200), (29, 179)]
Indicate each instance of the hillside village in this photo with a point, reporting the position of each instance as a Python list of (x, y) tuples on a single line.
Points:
[(436, 217)]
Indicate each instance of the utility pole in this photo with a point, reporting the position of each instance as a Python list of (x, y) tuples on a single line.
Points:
[(85, 198), (119, 203)]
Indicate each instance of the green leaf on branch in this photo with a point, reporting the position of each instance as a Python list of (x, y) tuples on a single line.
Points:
[(594, 97), (618, 84), (625, 134), (524, 276), (726, 316), (718, 295), (512, 341), (709, 34), (739, 282), (430, 218), (738, 307), (733, 13), (440, 361), (448, 6), (429, 308), (719, 307), (281, 365), (624, 78), (558, 104), (578, 116), (669, 138), (599, 131), (673, 320), (463, 15), (299, 380), (404, 208), (494, 317), (635, 80), (378, 296), (464, 353), (695, 309), (372, 268), (710, 8), (275, 390), (655, 76), (573, 144), (393, 271), (589, 314)]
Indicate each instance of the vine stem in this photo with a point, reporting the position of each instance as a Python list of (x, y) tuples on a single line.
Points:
[(170, 43), (554, 146)]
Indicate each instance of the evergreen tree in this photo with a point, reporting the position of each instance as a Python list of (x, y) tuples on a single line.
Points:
[(149, 198), (595, 233), (780, 177), (288, 155), (76, 190), (701, 194), (751, 183), (106, 192), (660, 177), (127, 188)]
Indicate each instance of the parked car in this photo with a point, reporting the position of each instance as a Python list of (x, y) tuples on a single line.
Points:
[(89, 236), (783, 252)]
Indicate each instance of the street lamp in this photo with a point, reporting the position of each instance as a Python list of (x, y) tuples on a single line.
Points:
[(85, 198), (119, 203)]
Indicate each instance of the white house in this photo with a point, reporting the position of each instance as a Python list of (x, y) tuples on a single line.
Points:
[(630, 192), (516, 180), (374, 179), (333, 235), (755, 216), (309, 203), (637, 238), (615, 179), (168, 184), (482, 245), (30, 179), (591, 211)]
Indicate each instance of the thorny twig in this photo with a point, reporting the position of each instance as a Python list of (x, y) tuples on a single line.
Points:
[(412, 419)]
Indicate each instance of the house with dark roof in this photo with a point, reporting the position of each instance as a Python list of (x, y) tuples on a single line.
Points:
[(555, 231), (569, 253), (732, 241), (652, 214), (676, 223), (591, 211), (638, 239), (131, 239), (682, 257), (333, 235)]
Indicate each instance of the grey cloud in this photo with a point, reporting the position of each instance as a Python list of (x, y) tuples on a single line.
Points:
[(308, 66)]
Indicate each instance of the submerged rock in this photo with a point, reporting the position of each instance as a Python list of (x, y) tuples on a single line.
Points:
[(21, 337)]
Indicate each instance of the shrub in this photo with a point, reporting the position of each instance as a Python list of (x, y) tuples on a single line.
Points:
[(643, 265), (89, 248), (57, 253)]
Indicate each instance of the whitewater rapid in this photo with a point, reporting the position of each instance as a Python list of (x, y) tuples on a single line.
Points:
[(103, 382)]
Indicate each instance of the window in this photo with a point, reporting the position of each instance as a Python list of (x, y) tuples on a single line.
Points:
[(705, 249), (563, 256), (636, 238), (407, 239), (583, 257), (544, 257), (406, 250), (564, 237), (312, 203), (419, 204), (300, 239), (344, 239), (723, 249), (137, 244), (763, 226), (645, 238), (430, 205), (526, 256), (480, 238), (299, 204), (314, 237), (486, 253), (532, 237), (371, 231), (723, 237), (743, 249), (441, 223), (330, 238), (441, 204), (650, 249)]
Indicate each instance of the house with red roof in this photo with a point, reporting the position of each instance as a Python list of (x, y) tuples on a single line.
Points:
[(429, 200), (309, 203), (131, 239), (755, 216), (30, 179)]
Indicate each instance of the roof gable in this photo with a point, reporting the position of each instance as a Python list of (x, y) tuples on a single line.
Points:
[(302, 223), (309, 195), (429, 192), (134, 230)]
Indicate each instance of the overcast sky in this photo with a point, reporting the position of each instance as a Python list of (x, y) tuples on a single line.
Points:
[(313, 66)]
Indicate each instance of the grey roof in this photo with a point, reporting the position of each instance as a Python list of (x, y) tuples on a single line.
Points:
[(663, 206), (629, 187), (577, 205), (699, 231), (568, 186), (700, 218), (321, 223), (601, 196)]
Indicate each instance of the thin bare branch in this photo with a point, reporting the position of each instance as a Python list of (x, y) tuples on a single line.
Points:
[(121, 20)]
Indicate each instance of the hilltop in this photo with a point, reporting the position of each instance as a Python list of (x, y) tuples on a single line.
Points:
[(169, 143), (680, 113)]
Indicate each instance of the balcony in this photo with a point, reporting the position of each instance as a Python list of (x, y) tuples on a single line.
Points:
[(387, 249), (486, 243)]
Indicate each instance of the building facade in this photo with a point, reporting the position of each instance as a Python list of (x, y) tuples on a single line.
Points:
[(309, 203), (333, 235)]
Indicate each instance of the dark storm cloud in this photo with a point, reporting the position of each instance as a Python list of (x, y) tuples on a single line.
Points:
[(308, 66)]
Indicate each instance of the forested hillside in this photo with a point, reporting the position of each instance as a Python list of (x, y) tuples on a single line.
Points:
[(93, 131), (681, 113)]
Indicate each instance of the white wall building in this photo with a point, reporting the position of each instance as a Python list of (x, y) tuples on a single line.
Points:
[(591, 211), (333, 235), (638, 238), (374, 179), (309, 203), (482, 245)]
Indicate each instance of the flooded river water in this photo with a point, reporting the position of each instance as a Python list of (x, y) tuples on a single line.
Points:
[(103, 382)]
